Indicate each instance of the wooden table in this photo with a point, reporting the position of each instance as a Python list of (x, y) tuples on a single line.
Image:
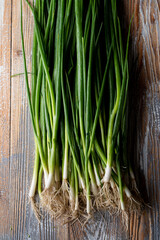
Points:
[(17, 220)]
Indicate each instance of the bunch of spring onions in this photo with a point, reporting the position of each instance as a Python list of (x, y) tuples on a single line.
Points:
[(78, 105)]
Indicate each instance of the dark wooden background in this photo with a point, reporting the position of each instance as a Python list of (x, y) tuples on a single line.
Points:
[(17, 220)]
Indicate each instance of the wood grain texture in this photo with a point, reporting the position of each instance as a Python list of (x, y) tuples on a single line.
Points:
[(145, 112), (5, 69), (17, 220)]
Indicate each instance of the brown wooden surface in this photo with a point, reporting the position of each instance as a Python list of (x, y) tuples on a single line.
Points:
[(17, 220)]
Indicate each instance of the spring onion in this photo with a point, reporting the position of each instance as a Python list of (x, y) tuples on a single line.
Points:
[(78, 103)]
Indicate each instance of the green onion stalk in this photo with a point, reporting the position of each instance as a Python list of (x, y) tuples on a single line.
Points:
[(78, 103)]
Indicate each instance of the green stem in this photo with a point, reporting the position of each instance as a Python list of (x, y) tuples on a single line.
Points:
[(100, 152), (43, 57), (35, 173), (112, 117), (40, 181), (65, 157), (38, 141), (99, 104), (80, 67)]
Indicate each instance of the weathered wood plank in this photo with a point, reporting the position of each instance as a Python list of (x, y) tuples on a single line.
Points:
[(145, 102), (22, 222), (5, 66)]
